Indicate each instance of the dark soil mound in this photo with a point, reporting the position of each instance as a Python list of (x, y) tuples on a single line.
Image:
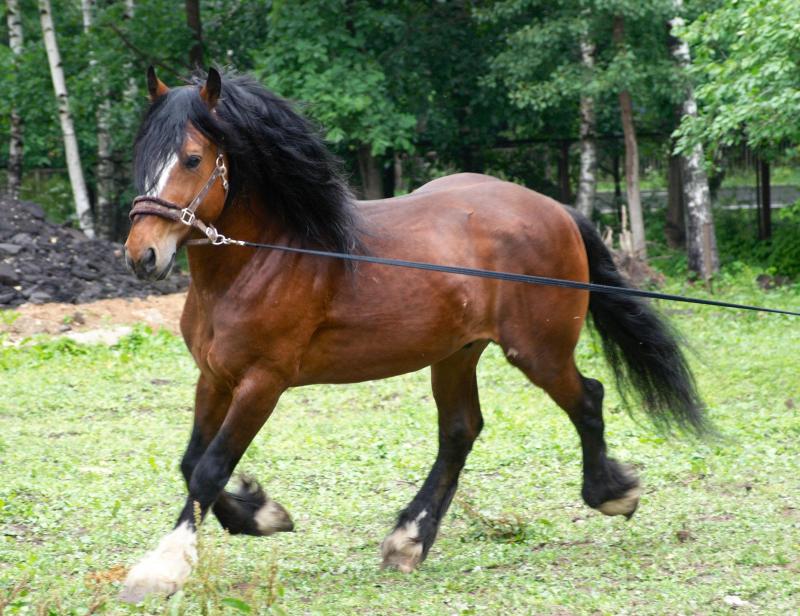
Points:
[(41, 262)]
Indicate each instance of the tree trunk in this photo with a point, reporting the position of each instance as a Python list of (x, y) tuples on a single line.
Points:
[(701, 242), (82, 207), (106, 215), (370, 171), (615, 170), (104, 172), (388, 176), (675, 229), (196, 26), (400, 183), (631, 158), (563, 172), (765, 211), (87, 6), (15, 142), (587, 182)]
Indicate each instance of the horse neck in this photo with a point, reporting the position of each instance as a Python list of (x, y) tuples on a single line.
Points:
[(213, 268)]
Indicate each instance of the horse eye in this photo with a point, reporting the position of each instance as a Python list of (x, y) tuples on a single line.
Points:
[(192, 162)]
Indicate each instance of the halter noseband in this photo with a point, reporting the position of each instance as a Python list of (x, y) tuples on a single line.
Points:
[(156, 206)]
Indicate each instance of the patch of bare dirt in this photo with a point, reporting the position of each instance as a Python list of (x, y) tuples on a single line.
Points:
[(85, 320)]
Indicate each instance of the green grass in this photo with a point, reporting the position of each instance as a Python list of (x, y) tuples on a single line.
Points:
[(90, 439)]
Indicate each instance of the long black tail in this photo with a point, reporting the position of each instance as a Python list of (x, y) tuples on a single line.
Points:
[(641, 347)]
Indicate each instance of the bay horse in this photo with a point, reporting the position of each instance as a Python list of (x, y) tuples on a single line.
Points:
[(226, 154)]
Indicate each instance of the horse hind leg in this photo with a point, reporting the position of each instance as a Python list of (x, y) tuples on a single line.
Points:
[(608, 486), (455, 389)]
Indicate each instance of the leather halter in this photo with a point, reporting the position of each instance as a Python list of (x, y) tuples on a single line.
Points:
[(156, 206)]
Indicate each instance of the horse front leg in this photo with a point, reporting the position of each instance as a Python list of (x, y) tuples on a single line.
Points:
[(166, 569), (247, 510)]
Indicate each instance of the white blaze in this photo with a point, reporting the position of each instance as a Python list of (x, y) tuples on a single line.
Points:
[(158, 186)]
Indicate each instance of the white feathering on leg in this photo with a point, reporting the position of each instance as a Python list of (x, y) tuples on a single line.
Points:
[(165, 569), (622, 506), (273, 518), (402, 548)]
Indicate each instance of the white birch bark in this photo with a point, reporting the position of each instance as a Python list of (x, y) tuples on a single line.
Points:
[(82, 206), (701, 242), (104, 172), (86, 12), (132, 91), (15, 143), (587, 181)]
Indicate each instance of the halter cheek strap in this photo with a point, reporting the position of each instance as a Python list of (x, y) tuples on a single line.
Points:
[(156, 206)]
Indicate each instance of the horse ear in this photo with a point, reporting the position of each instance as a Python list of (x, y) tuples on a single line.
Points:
[(155, 86), (211, 90)]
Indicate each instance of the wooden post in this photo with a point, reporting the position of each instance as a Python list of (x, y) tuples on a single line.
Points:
[(765, 211), (563, 172), (708, 252)]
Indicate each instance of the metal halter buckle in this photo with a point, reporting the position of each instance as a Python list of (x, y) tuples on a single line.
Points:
[(187, 217), (214, 236), (223, 171)]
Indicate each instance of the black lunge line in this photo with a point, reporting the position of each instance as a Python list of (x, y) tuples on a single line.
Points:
[(508, 276)]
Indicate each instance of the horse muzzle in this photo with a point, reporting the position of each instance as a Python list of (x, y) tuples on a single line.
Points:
[(147, 265)]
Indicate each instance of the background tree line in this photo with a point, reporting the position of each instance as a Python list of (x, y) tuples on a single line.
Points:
[(560, 95)]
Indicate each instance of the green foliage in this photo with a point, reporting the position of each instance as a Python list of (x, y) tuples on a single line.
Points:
[(785, 255), (746, 60), (323, 52), (540, 63)]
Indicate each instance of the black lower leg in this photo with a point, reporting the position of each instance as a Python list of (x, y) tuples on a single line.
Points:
[(208, 469), (434, 497), (207, 478), (604, 479), (234, 510)]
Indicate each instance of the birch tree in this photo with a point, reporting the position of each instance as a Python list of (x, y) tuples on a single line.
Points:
[(587, 181), (701, 243), (15, 141), (104, 170), (80, 194)]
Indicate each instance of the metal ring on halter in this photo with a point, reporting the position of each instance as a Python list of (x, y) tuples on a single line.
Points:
[(223, 171), (214, 236)]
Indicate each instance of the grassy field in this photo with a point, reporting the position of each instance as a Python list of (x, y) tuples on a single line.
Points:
[(90, 439)]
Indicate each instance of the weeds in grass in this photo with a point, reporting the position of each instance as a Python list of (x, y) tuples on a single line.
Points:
[(19, 589), (8, 317), (207, 593), (502, 528)]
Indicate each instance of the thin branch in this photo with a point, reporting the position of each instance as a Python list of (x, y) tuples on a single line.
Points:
[(145, 56)]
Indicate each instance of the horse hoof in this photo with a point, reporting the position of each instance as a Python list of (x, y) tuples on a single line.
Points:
[(402, 549), (272, 517), (165, 570), (625, 505)]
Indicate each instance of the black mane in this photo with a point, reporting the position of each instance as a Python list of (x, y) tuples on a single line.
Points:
[(273, 152)]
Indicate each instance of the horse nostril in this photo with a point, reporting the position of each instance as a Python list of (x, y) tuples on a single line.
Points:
[(149, 260), (128, 260)]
